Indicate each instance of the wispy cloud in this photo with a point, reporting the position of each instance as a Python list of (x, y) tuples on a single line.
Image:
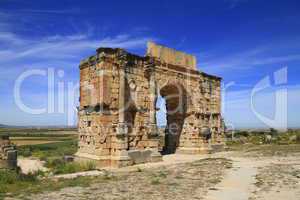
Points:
[(247, 59), (45, 11), (271, 60), (10, 38), (62, 51), (63, 46), (238, 111)]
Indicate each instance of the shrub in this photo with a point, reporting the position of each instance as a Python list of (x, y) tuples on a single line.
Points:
[(155, 181), (298, 138), (31, 177), (25, 152), (52, 163), (8, 176), (66, 168), (90, 166), (273, 132), (11, 178), (162, 174), (241, 133), (44, 151), (58, 166)]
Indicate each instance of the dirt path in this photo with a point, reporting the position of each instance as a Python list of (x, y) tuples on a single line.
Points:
[(238, 183), (259, 178)]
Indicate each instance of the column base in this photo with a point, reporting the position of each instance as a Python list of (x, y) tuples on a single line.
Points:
[(194, 150), (206, 149), (218, 147), (124, 159), (100, 161), (144, 156)]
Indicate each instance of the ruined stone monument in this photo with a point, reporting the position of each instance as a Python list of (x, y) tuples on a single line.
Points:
[(8, 153), (117, 114)]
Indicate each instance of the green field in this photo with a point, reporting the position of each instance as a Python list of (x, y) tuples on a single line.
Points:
[(43, 143), (49, 145), (38, 132)]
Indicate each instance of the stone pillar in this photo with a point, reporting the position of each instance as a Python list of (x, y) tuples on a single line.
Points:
[(213, 134), (120, 157), (122, 128), (153, 131), (12, 159), (152, 109)]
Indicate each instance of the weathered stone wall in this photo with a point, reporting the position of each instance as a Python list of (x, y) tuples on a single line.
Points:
[(171, 56), (8, 153), (200, 95), (118, 93)]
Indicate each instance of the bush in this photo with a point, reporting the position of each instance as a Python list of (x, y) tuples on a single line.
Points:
[(52, 163), (11, 178), (254, 139), (260, 137), (273, 132), (90, 166), (8, 176), (25, 152), (155, 181), (298, 138), (28, 177), (44, 151), (59, 166), (241, 133)]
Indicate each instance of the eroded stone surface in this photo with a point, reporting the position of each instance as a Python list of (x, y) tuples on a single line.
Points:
[(117, 113), (8, 153)]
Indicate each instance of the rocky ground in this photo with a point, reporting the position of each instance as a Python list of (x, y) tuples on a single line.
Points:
[(180, 181), (278, 180), (260, 173), (28, 165)]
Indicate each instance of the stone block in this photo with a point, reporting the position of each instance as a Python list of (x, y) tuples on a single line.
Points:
[(140, 156)]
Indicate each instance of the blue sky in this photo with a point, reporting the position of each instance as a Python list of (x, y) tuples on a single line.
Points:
[(242, 41)]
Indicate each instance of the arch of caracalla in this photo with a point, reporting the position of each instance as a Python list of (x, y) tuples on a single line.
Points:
[(117, 113)]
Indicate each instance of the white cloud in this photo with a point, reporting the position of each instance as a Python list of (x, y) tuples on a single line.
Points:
[(73, 10), (63, 47), (271, 60), (10, 38), (247, 59), (238, 112), (14, 46), (58, 11), (59, 51)]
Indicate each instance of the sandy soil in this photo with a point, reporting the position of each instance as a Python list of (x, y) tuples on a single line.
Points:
[(185, 180), (239, 175), (278, 179), (261, 177), (237, 184)]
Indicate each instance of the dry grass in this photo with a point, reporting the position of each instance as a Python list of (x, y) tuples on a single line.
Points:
[(32, 142)]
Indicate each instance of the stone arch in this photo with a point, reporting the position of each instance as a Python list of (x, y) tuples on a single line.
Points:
[(130, 91), (175, 96)]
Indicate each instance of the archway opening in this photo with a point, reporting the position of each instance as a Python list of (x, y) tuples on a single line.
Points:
[(171, 115)]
